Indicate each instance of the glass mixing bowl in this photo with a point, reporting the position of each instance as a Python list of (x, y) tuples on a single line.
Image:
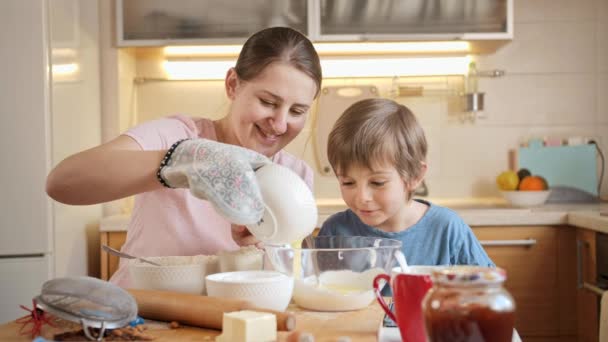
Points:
[(335, 273)]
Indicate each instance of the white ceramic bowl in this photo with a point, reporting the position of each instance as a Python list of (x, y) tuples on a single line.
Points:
[(291, 210), (264, 289), (248, 258), (177, 273), (526, 198)]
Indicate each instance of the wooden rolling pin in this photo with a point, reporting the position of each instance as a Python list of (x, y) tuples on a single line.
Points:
[(196, 310)]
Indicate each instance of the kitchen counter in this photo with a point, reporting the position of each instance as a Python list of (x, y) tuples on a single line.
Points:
[(474, 211), (361, 325)]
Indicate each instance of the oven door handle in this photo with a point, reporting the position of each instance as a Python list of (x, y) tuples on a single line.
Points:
[(579, 270)]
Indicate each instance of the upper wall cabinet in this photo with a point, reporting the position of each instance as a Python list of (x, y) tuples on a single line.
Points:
[(377, 20), (180, 22)]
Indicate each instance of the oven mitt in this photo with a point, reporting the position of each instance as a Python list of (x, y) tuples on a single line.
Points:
[(221, 173)]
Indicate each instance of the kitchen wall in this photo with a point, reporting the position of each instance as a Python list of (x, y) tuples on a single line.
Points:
[(555, 85)]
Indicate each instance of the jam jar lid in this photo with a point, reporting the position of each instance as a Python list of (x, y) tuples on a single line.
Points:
[(469, 275)]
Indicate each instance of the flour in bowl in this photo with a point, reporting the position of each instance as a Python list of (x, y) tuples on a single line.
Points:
[(342, 290)]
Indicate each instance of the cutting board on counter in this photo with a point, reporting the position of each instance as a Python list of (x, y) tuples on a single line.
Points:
[(331, 104), (564, 166)]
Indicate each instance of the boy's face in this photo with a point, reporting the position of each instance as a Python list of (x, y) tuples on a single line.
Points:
[(378, 197)]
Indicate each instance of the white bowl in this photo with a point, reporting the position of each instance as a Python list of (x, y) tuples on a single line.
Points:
[(526, 198), (177, 273), (264, 289), (291, 210), (248, 258)]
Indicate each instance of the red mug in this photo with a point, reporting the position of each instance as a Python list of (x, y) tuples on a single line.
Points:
[(409, 288)]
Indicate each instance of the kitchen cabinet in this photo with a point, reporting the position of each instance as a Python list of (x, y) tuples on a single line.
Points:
[(587, 310), (109, 262), (181, 22), (541, 275), (414, 20)]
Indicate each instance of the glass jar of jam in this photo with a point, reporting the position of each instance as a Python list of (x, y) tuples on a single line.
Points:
[(468, 303)]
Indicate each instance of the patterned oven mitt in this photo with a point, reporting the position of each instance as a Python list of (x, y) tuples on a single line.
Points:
[(221, 173)]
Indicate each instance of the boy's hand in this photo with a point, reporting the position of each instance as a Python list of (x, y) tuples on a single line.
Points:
[(221, 173)]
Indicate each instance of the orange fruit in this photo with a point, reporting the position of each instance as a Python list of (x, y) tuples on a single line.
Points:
[(533, 183)]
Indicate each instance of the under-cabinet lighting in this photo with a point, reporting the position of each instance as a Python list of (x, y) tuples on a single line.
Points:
[(193, 69), (332, 67), (202, 51), (388, 67), (327, 49), (392, 48), (64, 69)]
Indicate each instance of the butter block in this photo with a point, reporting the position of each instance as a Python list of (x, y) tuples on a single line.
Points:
[(248, 326)]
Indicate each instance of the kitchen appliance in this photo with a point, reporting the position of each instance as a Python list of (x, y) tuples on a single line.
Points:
[(25, 222), (44, 119)]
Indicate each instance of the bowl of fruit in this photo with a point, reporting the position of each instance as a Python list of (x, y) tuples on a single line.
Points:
[(522, 188)]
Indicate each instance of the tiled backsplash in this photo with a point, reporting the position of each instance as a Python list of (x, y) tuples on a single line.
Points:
[(556, 84)]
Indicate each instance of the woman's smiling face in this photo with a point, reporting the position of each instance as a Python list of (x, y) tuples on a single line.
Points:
[(268, 112)]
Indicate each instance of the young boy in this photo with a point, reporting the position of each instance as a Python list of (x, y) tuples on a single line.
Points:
[(378, 152)]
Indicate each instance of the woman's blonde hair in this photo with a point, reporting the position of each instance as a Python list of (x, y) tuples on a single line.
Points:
[(374, 132)]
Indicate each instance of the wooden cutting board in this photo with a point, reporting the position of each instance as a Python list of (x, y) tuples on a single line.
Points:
[(331, 104)]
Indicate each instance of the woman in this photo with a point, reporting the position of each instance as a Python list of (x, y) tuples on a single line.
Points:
[(276, 78)]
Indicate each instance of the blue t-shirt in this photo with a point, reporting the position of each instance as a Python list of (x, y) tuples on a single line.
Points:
[(440, 237)]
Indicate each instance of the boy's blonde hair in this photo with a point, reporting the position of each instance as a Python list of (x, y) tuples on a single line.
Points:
[(374, 132)]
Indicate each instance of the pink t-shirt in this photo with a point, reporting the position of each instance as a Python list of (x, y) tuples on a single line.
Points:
[(172, 221)]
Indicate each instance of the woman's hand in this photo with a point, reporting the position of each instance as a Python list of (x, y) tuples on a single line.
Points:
[(221, 173), (243, 237)]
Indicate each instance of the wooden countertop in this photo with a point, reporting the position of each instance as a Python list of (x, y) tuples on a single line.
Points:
[(359, 326)]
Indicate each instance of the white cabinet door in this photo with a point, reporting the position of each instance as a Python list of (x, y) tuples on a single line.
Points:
[(21, 280)]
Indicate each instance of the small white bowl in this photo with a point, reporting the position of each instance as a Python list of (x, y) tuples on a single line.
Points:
[(177, 273), (526, 198), (264, 289)]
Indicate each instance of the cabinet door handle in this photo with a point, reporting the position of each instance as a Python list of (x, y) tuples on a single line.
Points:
[(524, 242)]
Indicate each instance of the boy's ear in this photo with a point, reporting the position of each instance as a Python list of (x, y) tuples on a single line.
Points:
[(412, 184)]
